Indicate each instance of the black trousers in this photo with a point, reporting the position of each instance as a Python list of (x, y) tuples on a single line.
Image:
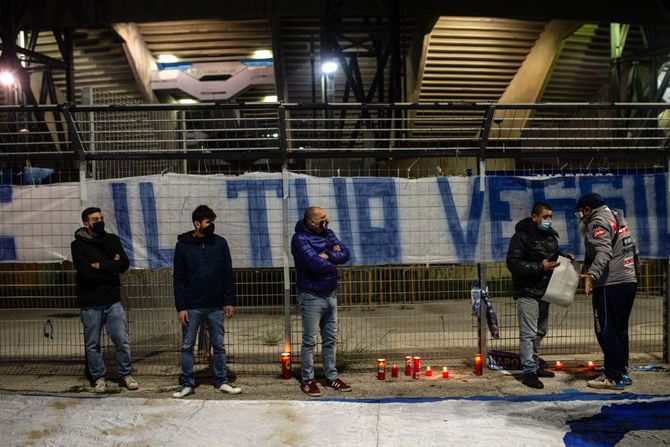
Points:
[(611, 310)]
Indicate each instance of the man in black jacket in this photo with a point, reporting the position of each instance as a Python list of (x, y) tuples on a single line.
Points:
[(99, 259), (204, 289), (531, 258)]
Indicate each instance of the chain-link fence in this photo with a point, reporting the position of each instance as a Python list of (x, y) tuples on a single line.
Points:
[(149, 165)]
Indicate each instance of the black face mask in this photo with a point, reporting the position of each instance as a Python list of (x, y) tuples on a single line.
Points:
[(98, 227), (208, 231)]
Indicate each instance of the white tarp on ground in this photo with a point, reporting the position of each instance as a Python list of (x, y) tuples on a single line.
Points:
[(514, 421)]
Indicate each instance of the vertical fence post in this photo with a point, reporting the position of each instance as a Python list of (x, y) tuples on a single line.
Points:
[(77, 145), (666, 297), (87, 99), (481, 266), (181, 114), (286, 242)]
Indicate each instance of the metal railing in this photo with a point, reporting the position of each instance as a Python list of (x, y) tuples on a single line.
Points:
[(283, 130)]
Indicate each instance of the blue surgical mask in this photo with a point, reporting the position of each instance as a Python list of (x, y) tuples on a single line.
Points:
[(544, 225)]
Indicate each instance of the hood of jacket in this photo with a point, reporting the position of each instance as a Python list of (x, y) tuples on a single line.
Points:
[(300, 227), (82, 235), (189, 238)]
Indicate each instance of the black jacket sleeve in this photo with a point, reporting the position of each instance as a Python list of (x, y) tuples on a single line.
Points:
[(112, 266), (82, 264), (228, 277), (519, 247), (179, 278)]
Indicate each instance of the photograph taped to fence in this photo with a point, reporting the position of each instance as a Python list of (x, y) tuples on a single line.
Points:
[(383, 220)]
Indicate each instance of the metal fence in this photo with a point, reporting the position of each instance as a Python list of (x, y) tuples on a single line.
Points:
[(385, 310)]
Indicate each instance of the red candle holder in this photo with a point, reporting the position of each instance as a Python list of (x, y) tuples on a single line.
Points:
[(416, 373), (394, 371), (381, 369), (286, 365), (408, 365), (559, 366), (478, 365), (429, 371), (445, 372), (591, 366)]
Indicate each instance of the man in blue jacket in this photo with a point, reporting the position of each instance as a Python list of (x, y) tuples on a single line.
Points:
[(204, 288), (317, 252)]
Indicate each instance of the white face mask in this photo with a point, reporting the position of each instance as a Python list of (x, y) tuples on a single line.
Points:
[(579, 215)]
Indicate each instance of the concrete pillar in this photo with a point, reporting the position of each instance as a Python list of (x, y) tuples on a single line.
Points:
[(530, 80), (139, 56)]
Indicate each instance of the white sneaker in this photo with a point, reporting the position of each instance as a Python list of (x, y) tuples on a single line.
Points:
[(604, 383), (185, 391), (100, 385), (227, 388), (130, 383)]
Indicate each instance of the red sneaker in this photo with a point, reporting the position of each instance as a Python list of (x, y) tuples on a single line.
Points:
[(310, 388), (338, 385)]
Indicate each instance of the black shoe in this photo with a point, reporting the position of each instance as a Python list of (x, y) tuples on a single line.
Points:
[(544, 373), (531, 380)]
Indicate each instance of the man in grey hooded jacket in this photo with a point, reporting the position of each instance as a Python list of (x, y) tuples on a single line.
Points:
[(611, 265)]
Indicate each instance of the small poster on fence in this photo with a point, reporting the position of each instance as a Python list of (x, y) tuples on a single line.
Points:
[(563, 283)]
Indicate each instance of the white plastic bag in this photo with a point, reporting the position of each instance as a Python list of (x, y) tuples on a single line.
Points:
[(563, 283)]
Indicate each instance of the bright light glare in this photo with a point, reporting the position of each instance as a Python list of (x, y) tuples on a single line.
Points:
[(329, 67), (7, 79), (187, 101), (262, 54), (167, 58), (271, 98)]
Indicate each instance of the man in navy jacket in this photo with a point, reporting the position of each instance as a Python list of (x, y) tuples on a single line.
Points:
[(317, 252), (204, 288)]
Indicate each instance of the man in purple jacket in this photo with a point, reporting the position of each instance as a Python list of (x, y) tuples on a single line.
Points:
[(317, 252)]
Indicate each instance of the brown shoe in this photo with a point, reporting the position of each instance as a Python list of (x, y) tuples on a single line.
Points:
[(338, 385), (310, 388)]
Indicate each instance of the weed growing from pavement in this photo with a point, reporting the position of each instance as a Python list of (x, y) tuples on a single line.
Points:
[(77, 389), (85, 389), (270, 338), (111, 391), (347, 354)]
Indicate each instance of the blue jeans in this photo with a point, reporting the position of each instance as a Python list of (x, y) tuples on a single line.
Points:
[(318, 312), (533, 322), (114, 319), (213, 317)]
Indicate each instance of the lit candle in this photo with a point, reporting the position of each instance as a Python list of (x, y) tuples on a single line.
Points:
[(478, 365), (417, 368), (286, 365), (559, 366), (394, 371), (408, 365), (445, 372), (429, 371), (591, 366), (381, 369)]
